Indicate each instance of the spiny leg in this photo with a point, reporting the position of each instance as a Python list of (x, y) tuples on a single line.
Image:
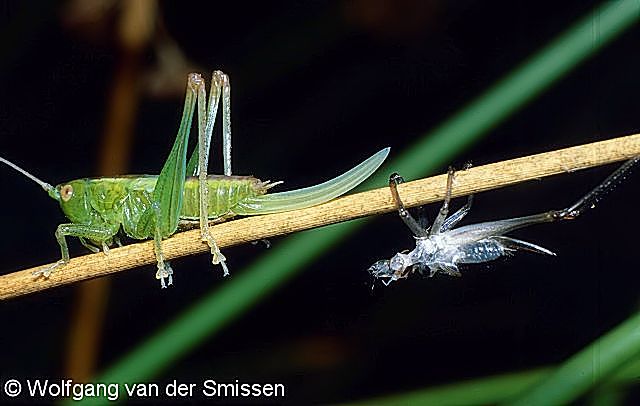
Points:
[(205, 128), (219, 86), (416, 229), (501, 227), (208, 120), (444, 210), (458, 215), (219, 83), (226, 121), (82, 231), (594, 196), (455, 218)]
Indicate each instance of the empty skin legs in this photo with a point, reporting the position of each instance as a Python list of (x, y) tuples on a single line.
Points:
[(414, 226), (441, 223), (481, 242)]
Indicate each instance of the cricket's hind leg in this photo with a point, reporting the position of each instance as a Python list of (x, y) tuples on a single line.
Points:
[(226, 121), (589, 200), (456, 217), (206, 120)]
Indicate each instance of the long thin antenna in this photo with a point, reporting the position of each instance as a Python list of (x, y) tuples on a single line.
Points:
[(47, 187)]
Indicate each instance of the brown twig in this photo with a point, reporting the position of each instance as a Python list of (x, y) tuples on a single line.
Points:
[(350, 207)]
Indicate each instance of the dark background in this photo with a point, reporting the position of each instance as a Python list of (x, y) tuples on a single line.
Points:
[(317, 87)]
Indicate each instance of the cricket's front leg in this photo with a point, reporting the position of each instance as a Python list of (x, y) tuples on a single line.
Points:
[(82, 231), (417, 230), (164, 269)]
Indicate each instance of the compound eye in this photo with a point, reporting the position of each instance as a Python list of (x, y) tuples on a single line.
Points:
[(66, 192)]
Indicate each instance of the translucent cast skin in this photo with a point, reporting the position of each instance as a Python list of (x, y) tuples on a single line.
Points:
[(183, 193), (442, 248)]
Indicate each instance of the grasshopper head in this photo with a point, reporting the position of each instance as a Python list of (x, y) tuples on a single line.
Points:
[(391, 270), (73, 201)]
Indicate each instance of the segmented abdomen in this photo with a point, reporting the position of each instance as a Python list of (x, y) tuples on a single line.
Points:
[(224, 193), (480, 251)]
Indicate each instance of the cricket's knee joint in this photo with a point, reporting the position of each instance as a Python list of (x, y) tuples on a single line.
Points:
[(565, 214), (396, 178), (194, 79)]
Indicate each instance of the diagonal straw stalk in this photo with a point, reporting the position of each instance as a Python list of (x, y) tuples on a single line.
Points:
[(350, 207)]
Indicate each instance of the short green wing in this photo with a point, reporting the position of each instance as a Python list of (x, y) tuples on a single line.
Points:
[(192, 165)]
